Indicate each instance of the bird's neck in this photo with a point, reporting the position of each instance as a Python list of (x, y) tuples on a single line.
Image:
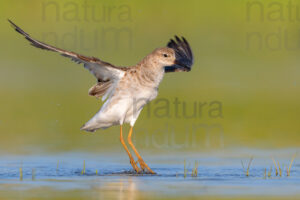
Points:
[(151, 73)]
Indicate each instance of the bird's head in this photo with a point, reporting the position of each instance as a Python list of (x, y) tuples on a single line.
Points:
[(177, 56), (163, 57)]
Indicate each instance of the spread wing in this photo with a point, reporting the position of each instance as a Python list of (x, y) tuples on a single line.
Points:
[(103, 71)]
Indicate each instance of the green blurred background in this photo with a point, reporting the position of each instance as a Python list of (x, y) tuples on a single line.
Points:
[(244, 83)]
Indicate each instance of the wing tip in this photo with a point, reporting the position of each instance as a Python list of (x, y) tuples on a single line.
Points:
[(18, 29), (11, 22)]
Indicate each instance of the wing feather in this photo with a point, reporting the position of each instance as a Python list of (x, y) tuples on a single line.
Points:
[(103, 71)]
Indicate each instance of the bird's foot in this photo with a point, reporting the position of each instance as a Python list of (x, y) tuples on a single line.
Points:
[(134, 165), (144, 166)]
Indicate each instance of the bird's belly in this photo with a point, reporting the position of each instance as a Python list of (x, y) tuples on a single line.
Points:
[(125, 109), (115, 111), (138, 102)]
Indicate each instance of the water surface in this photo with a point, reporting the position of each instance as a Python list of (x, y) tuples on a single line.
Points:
[(219, 175)]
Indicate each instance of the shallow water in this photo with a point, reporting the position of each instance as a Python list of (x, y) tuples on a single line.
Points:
[(220, 175)]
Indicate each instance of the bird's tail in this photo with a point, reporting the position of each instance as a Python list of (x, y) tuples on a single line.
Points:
[(92, 127), (88, 128), (94, 124)]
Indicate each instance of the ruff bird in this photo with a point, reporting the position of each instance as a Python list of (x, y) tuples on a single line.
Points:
[(126, 90)]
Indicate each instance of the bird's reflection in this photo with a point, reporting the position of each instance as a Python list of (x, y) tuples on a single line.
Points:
[(123, 188)]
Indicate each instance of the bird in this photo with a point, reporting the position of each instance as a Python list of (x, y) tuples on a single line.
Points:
[(126, 90)]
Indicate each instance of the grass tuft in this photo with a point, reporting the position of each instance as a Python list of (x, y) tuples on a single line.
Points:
[(195, 170), (248, 168), (33, 174), (276, 168), (83, 170), (185, 169), (57, 166), (280, 170), (270, 172), (21, 173), (288, 170)]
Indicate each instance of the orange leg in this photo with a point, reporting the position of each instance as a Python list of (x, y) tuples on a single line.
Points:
[(132, 162), (140, 159)]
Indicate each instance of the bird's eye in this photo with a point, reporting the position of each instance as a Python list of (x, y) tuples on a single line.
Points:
[(165, 55)]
